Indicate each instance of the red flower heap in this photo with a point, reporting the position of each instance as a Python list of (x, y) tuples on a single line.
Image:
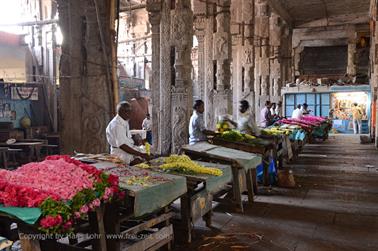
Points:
[(50, 178), (61, 186)]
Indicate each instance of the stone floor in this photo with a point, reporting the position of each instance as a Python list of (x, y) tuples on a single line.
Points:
[(334, 207)]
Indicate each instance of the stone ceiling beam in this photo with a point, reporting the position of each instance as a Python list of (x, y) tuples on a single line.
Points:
[(356, 18), (279, 9)]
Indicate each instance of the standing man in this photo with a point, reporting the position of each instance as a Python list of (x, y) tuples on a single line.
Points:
[(147, 126), (273, 109), (246, 124), (357, 118), (265, 115), (279, 109), (119, 136), (197, 129)]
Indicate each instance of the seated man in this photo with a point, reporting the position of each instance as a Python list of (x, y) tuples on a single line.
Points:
[(119, 136)]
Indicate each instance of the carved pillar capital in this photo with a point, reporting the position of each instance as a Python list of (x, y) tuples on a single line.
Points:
[(199, 23), (154, 18), (153, 5), (154, 13)]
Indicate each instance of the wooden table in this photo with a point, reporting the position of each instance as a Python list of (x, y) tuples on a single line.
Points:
[(196, 203), (136, 215), (32, 239), (267, 151), (33, 148), (278, 150), (243, 174)]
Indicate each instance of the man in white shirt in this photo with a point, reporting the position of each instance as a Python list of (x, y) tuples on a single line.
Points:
[(119, 136), (147, 126), (246, 124), (273, 109), (297, 113), (278, 110), (197, 130), (304, 109)]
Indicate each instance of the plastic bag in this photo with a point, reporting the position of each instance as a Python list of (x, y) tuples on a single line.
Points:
[(272, 172)]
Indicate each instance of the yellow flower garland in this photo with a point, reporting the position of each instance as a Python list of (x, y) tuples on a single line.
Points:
[(184, 164)]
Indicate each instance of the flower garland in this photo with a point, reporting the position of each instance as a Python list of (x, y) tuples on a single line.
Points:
[(183, 164), (63, 188)]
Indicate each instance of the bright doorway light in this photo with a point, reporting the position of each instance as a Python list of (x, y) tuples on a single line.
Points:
[(58, 36), (11, 12)]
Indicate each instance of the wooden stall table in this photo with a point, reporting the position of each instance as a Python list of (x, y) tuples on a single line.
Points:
[(265, 148), (279, 145), (196, 203), (148, 196), (243, 166), (33, 149), (34, 240)]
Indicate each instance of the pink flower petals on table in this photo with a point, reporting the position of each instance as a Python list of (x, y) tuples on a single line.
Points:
[(63, 188), (34, 182)]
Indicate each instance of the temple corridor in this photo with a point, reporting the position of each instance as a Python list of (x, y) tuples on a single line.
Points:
[(334, 207)]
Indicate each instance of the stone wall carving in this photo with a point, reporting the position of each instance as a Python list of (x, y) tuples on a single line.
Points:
[(182, 24), (180, 118)]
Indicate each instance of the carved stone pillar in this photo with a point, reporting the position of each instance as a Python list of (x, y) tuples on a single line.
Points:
[(222, 45), (182, 38), (286, 56), (248, 51), (275, 57), (262, 54), (209, 69), (223, 57), (351, 68), (86, 99), (165, 79), (236, 68), (199, 24), (154, 16)]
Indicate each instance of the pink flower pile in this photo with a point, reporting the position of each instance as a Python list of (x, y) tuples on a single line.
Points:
[(32, 183), (312, 118), (53, 183), (304, 126)]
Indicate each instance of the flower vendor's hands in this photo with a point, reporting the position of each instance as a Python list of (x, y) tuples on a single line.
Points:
[(149, 157)]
